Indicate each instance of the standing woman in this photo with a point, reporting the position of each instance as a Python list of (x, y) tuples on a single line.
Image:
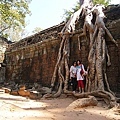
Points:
[(80, 76), (73, 77)]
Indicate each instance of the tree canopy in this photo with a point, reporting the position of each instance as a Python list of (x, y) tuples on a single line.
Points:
[(12, 14)]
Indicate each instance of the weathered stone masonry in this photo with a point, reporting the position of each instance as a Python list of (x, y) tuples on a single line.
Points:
[(33, 59), (3, 45)]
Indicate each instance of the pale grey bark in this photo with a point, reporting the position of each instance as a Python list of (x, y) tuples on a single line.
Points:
[(97, 52)]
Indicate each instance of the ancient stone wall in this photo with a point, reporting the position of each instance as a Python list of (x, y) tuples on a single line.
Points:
[(3, 46), (33, 63), (33, 59), (113, 24)]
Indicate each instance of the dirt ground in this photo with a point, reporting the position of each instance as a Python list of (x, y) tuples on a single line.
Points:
[(21, 108)]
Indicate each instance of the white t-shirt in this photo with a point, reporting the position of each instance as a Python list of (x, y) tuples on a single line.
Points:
[(79, 68), (73, 71)]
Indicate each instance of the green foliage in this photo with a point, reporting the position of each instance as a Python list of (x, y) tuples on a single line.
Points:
[(68, 13), (12, 14), (103, 2)]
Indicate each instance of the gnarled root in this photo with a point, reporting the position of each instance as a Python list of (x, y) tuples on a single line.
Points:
[(57, 64), (111, 100)]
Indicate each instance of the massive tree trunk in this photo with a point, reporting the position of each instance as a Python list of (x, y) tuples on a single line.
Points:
[(98, 53)]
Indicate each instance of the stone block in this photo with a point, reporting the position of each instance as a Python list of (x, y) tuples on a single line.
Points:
[(14, 92), (22, 87), (35, 95), (24, 93), (7, 90)]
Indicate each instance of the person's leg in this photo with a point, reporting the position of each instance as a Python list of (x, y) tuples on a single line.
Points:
[(82, 86), (79, 86), (74, 84)]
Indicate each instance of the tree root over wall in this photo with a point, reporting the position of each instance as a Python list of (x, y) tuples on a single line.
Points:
[(98, 57)]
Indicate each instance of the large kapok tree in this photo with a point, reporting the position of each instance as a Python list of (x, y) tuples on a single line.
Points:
[(98, 57)]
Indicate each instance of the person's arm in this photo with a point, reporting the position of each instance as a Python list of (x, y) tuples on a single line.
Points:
[(83, 68), (71, 69), (85, 72)]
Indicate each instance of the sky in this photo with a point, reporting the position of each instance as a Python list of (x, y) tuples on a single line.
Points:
[(47, 13)]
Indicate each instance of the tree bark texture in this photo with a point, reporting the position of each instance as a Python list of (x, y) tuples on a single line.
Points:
[(98, 57)]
